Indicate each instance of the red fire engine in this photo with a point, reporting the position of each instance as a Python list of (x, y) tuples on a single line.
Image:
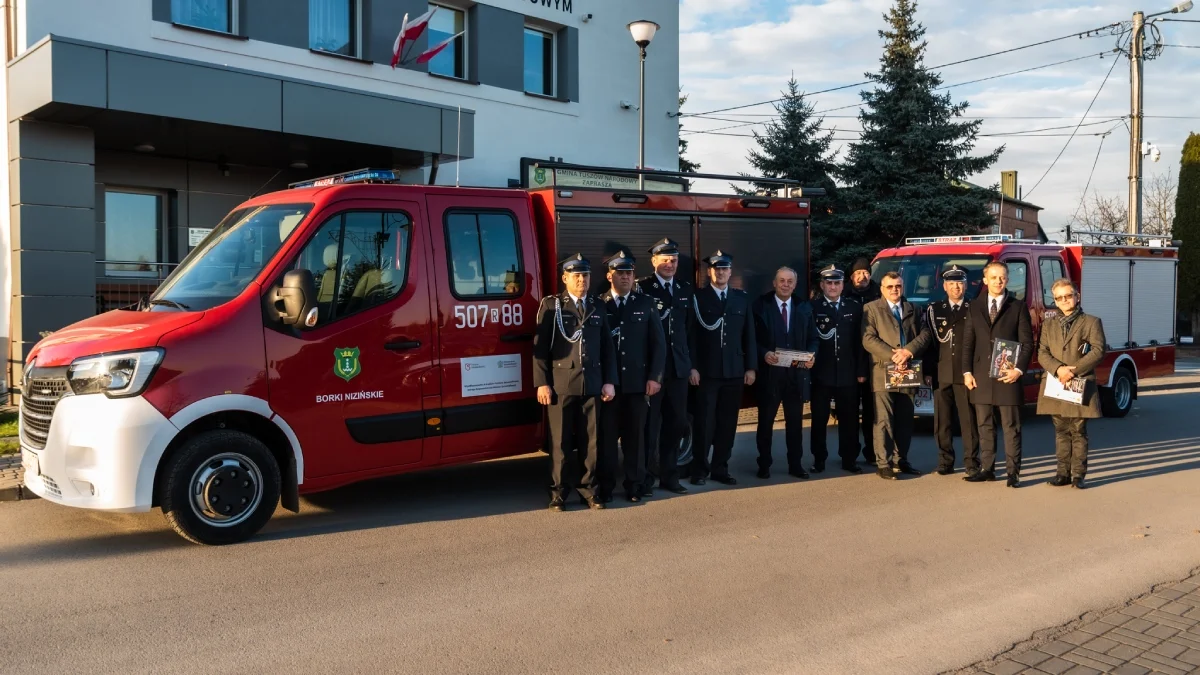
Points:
[(347, 328), (1127, 281)]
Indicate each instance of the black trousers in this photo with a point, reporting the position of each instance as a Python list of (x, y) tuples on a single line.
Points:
[(717, 404), (1010, 422), (867, 398), (574, 447), (666, 425), (771, 393), (1071, 445), (893, 428), (847, 405), (949, 399), (623, 419)]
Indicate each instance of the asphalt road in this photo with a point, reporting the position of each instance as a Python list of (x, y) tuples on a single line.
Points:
[(464, 571)]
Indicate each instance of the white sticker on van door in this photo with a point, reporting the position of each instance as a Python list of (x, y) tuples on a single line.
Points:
[(488, 375)]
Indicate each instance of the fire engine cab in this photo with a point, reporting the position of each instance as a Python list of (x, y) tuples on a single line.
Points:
[(1129, 281), (347, 328)]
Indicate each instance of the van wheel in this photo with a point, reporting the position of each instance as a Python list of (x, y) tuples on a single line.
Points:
[(684, 458), (220, 488), (1117, 400)]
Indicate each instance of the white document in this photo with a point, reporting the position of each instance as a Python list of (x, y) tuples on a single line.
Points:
[(1055, 389), (788, 358), (197, 235), (488, 375)]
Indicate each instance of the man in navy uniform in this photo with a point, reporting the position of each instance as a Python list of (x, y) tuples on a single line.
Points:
[(724, 361), (839, 372), (667, 423), (947, 319), (783, 322), (574, 368), (638, 339)]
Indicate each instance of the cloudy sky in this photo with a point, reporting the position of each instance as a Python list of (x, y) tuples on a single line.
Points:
[(734, 52)]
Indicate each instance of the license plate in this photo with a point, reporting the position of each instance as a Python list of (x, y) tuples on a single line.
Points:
[(924, 400), (31, 464)]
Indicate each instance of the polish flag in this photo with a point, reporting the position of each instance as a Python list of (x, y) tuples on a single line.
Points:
[(410, 32), (428, 54)]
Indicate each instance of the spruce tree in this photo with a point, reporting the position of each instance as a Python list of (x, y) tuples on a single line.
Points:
[(1187, 229), (904, 172)]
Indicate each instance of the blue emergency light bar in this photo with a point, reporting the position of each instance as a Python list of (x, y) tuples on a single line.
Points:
[(359, 176)]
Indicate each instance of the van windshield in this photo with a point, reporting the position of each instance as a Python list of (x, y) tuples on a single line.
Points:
[(229, 258), (922, 274)]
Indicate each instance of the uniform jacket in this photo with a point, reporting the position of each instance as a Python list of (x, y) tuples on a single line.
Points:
[(1055, 350), (770, 334), (573, 369), (881, 334), (947, 327), (677, 322), (638, 340), (840, 358), (728, 351), (1012, 323)]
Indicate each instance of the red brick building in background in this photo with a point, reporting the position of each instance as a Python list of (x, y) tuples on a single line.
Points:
[(1013, 215)]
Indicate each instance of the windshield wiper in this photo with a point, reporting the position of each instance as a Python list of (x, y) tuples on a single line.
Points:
[(170, 303)]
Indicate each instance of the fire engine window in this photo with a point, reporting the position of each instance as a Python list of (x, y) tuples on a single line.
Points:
[(359, 260), (1051, 270), (485, 258), (1018, 277)]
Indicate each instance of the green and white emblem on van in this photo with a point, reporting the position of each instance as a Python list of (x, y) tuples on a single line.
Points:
[(345, 363)]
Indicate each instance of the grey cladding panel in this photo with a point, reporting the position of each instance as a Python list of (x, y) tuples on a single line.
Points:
[(36, 181), (161, 10), (206, 210), (53, 273), (58, 142), (281, 22), (496, 47), (359, 118), (53, 228), (56, 72), (192, 92), (568, 64), (599, 235), (452, 142), (381, 24), (32, 315), (759, 247)]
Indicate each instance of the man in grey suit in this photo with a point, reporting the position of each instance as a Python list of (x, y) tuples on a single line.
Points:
[(893, 331)]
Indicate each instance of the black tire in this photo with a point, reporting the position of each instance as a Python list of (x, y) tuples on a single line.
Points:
[(220, 465), (684, 458), (1117, 400)]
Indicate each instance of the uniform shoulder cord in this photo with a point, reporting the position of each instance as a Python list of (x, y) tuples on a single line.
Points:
[(937, 333), (558, 318)]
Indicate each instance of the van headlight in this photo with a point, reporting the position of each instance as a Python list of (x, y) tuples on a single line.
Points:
[(114, 375)]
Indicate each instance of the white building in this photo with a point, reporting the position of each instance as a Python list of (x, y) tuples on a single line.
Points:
[(134, 125)]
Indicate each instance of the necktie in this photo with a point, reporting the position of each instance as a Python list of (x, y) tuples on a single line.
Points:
[(783, 308), (722, 294), (670, 290), (620, 303), (995, 310), (579, 305), (899, 322)]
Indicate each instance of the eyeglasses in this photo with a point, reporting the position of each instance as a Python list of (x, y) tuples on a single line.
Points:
[(1063, 298), (892, 287)]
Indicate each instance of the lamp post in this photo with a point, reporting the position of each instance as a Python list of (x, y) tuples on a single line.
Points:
[(643, 32)]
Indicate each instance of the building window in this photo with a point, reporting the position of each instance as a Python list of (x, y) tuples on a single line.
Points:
[(539, 62), (1020, 213), (1019, 233), (359, 260), (333, 26), (485, 258), (995, 207), (208, 14), (133, 229), (444, 24)]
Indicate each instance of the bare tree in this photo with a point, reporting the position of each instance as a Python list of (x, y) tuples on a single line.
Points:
[(1100, 214), (1158, 204)]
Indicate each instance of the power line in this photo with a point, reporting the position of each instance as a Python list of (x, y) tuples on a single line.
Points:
[(944, 65), (1068, 126), (1096, 161), (1184, 46), (1085, 114)]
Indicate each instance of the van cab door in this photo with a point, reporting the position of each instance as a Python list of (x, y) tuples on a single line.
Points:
[(351, 388), (1024, 286), (485, 271)]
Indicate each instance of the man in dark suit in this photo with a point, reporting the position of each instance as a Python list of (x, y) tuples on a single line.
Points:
[(863, 288), (892, 332), (574, 368), (667, 422), (947, 321), (782, 321), (641, 350), (839, 373), (724, 354), (997, 315)]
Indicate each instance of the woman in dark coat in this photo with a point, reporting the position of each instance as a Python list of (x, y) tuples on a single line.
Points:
[(1071, 347)]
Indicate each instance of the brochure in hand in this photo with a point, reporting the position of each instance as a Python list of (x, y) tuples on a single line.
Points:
[(1005, 355), (1071, 392), (908, 377), (792, 359)]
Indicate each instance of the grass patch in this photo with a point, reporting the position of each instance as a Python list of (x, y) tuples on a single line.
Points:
[(9, 448), (8, 424)]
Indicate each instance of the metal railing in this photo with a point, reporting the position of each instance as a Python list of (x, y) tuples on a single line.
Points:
[(124, 283)]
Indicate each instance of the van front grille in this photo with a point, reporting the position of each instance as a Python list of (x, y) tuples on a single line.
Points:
[(38, 401)]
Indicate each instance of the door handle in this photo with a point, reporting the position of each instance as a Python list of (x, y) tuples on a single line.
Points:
[(516, 337), (403, 345)]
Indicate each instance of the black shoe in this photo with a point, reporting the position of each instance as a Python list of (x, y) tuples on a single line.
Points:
[(594, 503), (1078, 484), (557, 504), (817, 467), (674, 488), (763, 473), (908, 469), (886, 474), (945, 470), (1014, 481), (697, 480), (633, 497), (647, 491), (604, 498), (981, 477), (852, 468), (801, 473), (1060, 481), (725, 480)]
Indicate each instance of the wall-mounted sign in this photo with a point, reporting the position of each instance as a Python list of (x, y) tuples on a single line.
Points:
[(564, 178), (197, 235)]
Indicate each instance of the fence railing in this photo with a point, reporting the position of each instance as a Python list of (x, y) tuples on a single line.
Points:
[(123, 283)]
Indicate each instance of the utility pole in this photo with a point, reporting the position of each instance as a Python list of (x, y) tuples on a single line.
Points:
[(1136, 57)]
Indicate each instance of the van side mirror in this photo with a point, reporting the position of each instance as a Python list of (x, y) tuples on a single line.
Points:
[(295, 299)]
